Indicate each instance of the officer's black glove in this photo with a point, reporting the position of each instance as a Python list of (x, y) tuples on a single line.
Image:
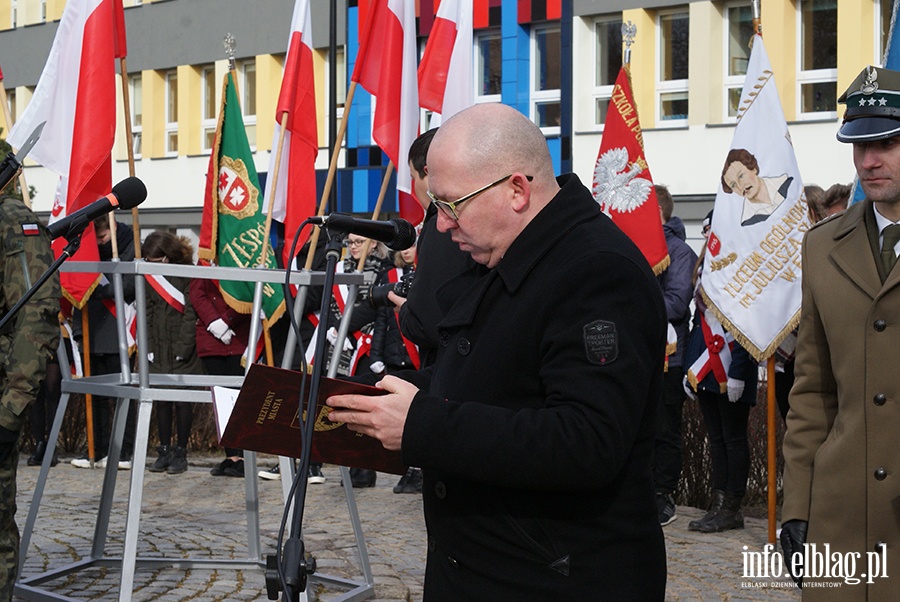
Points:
[(8, 441), (793, 536)]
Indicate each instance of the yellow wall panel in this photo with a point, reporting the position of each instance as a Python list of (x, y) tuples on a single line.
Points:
[(268, 85), (779, 30), (643, 64), (856, 40), (154, 131)]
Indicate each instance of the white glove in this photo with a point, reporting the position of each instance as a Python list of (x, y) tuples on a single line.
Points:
[(377, 367), (692, 395), (735, 389), (150, 357), (226, 338), (218, 328), (331, 335)]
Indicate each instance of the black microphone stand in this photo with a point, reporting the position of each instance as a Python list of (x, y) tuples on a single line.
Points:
[(73, 245), (295, 566)]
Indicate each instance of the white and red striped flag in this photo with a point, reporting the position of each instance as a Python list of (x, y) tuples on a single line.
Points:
[(386, 67), (446, 83), (76, 96), (297, 102)]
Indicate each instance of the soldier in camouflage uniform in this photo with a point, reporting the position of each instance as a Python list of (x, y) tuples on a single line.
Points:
[(25, 345)]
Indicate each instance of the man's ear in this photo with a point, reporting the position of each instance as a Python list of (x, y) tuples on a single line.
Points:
[(521, 191)]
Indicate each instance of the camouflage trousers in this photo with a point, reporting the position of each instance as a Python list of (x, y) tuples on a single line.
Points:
[(9, 532)]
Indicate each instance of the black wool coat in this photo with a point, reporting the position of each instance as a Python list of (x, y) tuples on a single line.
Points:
[(536, 430)]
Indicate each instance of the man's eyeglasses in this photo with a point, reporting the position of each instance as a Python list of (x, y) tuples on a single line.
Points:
[(449, 209)]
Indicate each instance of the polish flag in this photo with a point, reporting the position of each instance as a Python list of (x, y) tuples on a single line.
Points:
[(76, 96), (297, 102), (386, 67), (446, 84)]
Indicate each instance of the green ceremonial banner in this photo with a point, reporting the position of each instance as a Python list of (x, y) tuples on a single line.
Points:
[(233, 228)]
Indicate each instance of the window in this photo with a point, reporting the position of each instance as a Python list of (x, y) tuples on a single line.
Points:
[(171, 113), (608, 61), (43, 11), (818, 58), (12, 13), (545, 78), (738, 32), (488, 66), (137, 114), (248, 99), (672, 81), (340, 87), (208, 100)]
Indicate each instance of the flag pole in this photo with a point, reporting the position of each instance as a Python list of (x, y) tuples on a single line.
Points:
[(26, 197), (771, 449), (272, 190), (376, 212), (332, 169), (126, 106), (88, 398)]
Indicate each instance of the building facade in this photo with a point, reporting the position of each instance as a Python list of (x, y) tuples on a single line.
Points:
[(554, 60)]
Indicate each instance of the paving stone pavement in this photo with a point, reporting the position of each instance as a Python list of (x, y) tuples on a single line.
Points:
[(195, 515)]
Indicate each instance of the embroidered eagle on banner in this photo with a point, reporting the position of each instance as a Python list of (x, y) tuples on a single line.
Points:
[(616, 185)]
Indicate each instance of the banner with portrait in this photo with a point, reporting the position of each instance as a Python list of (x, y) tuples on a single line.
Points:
[(752, 267)]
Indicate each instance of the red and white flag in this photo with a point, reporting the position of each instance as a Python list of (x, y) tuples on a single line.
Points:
[(446, 83), (622, 183), (295, 191), (76, 96), (386, 67)]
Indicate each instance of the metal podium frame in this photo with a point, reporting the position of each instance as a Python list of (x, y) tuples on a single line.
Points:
[(145, 388)]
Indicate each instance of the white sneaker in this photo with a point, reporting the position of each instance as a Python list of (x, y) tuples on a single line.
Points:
[(124, 464), (86, 463), (271, 474)]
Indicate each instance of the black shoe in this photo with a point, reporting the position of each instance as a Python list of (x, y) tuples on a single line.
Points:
[(235, 469), (665, 508), (37, 457), (219, 469), (361, 477), (163, 460), (270, 474), (179, 462), (411, 482), (315, 476), (414, 485)]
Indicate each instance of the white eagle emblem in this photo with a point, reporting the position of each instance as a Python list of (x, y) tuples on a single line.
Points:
[(615, 183)]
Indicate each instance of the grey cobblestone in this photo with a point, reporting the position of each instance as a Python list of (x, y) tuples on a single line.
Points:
[(195, 515)]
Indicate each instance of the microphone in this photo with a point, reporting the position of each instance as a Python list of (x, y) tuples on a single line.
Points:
[(128, 193), (398, 234)]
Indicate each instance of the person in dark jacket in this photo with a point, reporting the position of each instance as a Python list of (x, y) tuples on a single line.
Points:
[(222, 334), (391, 351), (725, 407), (104, 344), (535, 426), (171, 345), (678, 291)]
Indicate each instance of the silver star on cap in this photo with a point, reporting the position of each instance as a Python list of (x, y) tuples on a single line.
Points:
[(882, 101), (871, 102), (862, 102)]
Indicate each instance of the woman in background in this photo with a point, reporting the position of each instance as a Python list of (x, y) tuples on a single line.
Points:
[(171, 343)]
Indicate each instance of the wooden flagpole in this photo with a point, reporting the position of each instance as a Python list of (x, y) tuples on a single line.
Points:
[(26, 197), (375, 213), (136, 224), (771, 403), (88, 398), (275, 173), (332, 169)]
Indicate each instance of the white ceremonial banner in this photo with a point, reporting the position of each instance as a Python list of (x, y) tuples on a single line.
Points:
[(752, 271)]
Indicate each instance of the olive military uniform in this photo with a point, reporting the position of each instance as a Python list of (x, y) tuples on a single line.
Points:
[(25, 345)]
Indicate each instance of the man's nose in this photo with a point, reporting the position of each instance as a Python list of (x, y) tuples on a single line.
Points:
[(445, 223)]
